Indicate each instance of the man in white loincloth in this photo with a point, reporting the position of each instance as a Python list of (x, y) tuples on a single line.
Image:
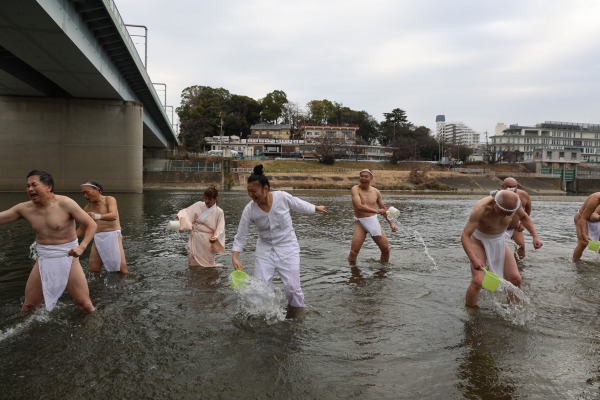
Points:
[(367, 204), (484, 240), (107, 248), (515, 230), (57, 266), (587, 224)]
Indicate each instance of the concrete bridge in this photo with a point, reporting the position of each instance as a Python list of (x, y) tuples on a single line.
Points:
[(75, 98)]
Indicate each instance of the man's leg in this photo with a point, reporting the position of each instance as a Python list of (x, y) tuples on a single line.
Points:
[(511, 272), (95, 262), (581, 244), (472, 295), (78, 288), (123, 269), (358, 238), (384, 246), (34, 296), (519, 239)]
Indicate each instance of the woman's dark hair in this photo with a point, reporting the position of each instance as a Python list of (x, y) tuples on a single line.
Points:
[(259, 176), (211, 193), (45, 178)]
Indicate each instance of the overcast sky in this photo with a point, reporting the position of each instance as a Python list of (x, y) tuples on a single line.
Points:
[(475, 61)]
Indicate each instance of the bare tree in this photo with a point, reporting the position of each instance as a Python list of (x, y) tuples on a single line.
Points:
[(326, 148)]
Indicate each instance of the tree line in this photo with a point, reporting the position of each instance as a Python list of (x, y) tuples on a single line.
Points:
[(206, 112)]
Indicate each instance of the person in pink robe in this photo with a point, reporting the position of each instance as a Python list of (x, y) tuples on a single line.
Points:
[(206, 223)]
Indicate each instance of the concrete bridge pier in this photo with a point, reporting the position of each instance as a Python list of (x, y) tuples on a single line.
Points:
[(73, 140)]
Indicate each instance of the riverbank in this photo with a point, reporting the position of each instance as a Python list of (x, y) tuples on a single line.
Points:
[(409, 177)]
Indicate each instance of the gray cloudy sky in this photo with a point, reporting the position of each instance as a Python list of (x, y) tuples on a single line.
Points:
[(476, 61)]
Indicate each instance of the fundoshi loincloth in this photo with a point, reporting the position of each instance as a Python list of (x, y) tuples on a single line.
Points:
[(107, 244), (510, 233), (55, 268), (593, 230), (370, 224), (495, 247)]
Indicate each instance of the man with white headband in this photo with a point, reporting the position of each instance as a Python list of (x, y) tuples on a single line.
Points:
[(515, 230), (56, 249), (484, 240), (107, 248), (368, 203)]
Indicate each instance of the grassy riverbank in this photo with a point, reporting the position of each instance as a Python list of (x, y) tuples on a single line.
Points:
[(410, 176)]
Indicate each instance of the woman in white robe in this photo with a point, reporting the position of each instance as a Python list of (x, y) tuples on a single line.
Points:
[(277, 248), (206, 223)]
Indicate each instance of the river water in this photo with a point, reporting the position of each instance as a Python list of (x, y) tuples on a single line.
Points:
[(372, 331)]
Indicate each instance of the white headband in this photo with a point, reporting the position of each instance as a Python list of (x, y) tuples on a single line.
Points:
[(506, 209), (366, 170), (90, 185)]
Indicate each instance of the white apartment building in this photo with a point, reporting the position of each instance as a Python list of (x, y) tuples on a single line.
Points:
[(456, 133), (549, 135)]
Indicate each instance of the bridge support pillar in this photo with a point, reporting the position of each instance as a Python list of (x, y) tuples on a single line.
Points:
[(73, 140)]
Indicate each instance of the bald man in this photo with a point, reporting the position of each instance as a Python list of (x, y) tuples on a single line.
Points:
[(484, 239), (515, 230)]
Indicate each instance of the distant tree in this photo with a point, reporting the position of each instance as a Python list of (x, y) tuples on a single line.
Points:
[(321, 111), (326, 148), (242, 112), (294, 116), (200, 113), (273, 105)]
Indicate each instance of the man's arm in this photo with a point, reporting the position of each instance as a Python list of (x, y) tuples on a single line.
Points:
[(527, 203), (113, 212), (465, 238), (11, 215), (527, 222), (86, 223)]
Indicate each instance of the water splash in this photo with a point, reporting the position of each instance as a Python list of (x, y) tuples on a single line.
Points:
[(258, 300), (418, 237), (40, 315), (513, 304)]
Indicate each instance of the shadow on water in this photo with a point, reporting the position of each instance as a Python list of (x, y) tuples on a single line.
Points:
[(481, 372)]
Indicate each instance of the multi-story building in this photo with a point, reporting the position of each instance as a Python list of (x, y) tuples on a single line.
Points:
[(274, 131), (309, 132), (524, 141), (456, 133)]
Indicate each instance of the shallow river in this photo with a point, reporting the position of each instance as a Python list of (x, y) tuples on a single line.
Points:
[(395, 331)]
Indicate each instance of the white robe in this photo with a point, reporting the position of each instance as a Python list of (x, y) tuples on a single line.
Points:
[(277, 248), (203, 223)]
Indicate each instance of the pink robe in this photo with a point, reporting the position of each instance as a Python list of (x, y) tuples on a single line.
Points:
[(203, 226)]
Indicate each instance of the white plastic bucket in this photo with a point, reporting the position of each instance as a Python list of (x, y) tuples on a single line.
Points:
[(173, 226), (393, 212)]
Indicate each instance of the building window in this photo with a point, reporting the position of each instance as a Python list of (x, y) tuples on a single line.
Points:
[(549, 154)]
